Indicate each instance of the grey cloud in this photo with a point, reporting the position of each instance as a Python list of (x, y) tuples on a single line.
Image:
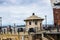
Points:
[(23, 2), (18, 13)]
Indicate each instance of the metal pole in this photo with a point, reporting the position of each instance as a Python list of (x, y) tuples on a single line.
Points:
[(14, 28), (18, 36), (46, 20)]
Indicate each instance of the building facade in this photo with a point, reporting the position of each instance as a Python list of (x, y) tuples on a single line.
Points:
[(33, 30), (34, 22), (33, 26)]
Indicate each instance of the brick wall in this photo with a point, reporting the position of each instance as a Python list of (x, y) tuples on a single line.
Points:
[(56, 14)]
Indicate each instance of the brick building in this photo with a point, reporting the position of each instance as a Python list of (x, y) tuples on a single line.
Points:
[(56, 11)]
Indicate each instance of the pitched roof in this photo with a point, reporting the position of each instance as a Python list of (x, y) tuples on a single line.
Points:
[(34, 17)]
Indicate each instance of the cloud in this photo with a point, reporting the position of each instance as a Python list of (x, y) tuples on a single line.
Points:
[(15, 11), (23, 2)]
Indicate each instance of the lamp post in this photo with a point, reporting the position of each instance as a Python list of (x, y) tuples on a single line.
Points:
[(18, 35), (46, 20), (14, 28)]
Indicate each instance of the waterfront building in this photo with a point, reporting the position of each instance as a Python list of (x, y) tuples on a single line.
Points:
[(34, 22), (33, 25), (33, 30)]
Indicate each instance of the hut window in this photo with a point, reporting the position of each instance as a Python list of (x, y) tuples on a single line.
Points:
[(29, 23), (4, 31), (35, 22), (40, 24)]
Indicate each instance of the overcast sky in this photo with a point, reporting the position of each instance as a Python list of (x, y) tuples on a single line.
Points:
[(15, 11)]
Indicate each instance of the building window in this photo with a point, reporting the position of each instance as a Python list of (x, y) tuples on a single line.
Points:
[(20, 29), (8, 39), (35, 22), (31, 30), (40, 24), (29, 23), (4, 31)]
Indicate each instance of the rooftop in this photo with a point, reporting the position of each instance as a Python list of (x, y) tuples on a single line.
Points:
[(57, 4), (33, 17)]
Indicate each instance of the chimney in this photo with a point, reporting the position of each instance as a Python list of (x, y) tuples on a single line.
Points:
[(33, 14)]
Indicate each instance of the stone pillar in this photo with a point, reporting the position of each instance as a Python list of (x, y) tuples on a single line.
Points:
[(23, 37), (26, 37), (30, 37), (43, 38)]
